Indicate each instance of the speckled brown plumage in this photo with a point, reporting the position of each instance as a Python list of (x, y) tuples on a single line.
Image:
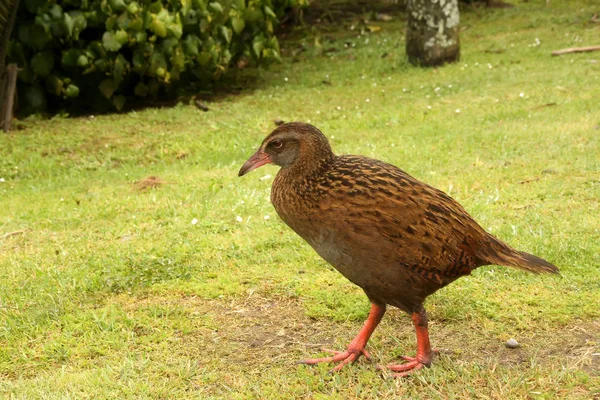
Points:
[(396, 237)]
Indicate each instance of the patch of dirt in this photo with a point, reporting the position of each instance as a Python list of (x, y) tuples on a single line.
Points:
[(150, 182), (259, 331)]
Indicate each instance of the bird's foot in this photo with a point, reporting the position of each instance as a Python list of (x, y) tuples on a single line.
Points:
[(342, 357)]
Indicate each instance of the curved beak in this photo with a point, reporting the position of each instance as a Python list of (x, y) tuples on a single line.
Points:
[(259, 159)]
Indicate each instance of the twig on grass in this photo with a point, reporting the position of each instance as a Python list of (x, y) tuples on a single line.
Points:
[(575, 50)]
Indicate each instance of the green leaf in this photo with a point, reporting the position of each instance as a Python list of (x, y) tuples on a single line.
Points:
[(239, 4), (54, 85), (72, 91), (158, 27), (42, 63), (139, 61), (270, 12), (82, 61), (101, 65), (185, 6), (238, 24), (119, 102), (141, 90), (34, 36), (216, 7), (258, 45), (56, 12), (192, 45), (68, 22), (226, 33), (141, 37), (120, 67), (156, 7), (175, 28), (70, 57), (35, 97), (110, 42), (121, 37), (137, 25), (107, 88), (252, 15), (133, 8), (117, 5)]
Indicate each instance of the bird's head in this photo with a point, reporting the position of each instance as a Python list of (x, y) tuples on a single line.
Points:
[(291, 145)]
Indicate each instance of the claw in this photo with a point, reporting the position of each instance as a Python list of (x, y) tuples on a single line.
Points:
[(402, 370), (341, 357)]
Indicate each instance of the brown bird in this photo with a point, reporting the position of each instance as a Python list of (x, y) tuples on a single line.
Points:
[(396, 237)]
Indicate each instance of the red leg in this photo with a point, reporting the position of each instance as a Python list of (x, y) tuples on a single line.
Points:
[(424, 353), (356, 348)]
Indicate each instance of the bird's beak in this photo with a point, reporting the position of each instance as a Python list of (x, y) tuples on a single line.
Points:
[(259, 159)]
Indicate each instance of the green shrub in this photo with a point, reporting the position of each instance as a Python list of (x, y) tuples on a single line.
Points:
[(98, 53)]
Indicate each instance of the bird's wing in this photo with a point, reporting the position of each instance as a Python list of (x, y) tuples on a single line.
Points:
[(427, 231)]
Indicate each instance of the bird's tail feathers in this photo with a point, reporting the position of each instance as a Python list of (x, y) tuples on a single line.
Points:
[(503, 254)]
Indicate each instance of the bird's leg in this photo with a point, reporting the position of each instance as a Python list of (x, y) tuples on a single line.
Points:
[(356, 348), (424, 352)]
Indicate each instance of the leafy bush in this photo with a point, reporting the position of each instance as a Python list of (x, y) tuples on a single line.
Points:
[(99, 53)]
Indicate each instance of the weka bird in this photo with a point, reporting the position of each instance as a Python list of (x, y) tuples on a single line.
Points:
[(396, 237)]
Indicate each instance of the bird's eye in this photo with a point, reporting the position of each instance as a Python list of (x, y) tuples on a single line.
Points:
[(276, 143)]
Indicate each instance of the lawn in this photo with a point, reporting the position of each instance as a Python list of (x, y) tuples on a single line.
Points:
[(187, 285)]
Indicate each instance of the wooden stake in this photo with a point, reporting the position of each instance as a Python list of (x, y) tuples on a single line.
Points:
[(8, 92)]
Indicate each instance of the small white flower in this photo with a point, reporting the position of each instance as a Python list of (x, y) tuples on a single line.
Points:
[(285, 79), (318, 112), (2, 180), (466, 65), (266, 217), (239, 219), (308, 120), (429, 107), (61, 199), (437, 89), (333, 137), (521, 95), (194, 221), (490, 66), (450, 85), (368, 100), (458, 110), (404, 90), (339, 108)]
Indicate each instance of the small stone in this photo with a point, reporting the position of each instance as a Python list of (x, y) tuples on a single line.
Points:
[(512, 343)]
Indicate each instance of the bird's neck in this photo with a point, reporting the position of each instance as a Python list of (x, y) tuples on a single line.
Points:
[(306, 170)]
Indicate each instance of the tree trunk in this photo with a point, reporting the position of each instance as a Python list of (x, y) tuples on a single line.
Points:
[(432, 32)]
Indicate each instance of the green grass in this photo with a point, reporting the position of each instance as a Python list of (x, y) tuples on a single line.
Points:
[(111, 292)]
